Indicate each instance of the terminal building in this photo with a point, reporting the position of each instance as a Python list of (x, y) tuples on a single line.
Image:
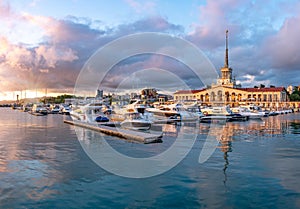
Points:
[(226, 92)]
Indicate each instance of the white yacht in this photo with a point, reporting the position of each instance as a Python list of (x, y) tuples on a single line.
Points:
[(174, 110), (218, 110), (65, 109), (135, 106), (217, 113), (194, 108), (39, 108), (251, 111), (89, 113), (136, 121)]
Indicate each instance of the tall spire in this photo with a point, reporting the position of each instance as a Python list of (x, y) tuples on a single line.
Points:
[(226, 52)]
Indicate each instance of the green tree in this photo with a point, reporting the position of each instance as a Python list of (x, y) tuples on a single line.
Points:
[(295, 96)]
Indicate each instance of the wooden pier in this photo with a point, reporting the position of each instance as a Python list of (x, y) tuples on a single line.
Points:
[(138, 136)]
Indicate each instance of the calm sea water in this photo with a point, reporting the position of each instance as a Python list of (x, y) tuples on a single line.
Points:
[(43, 165)]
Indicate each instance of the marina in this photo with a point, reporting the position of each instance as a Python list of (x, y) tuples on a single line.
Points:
[(43, 165), (149, 104)]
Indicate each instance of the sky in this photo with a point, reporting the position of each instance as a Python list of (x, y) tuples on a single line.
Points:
[(44, 44)]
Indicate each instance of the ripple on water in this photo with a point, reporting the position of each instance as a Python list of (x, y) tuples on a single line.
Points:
[(256, 164)]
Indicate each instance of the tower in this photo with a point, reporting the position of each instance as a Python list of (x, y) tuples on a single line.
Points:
[(226, 71)]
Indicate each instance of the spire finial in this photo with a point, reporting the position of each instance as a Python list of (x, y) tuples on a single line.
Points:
[(226, 52)]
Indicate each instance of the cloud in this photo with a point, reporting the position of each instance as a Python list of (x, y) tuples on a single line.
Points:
[(50, 55), (149, 24), (261, 38), (5, 10), (151, 70), (141, 7), (265, 49), (66, 45), (282, 48), (209, 32)]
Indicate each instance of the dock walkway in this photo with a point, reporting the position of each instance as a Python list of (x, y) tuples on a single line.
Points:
[(138, 136)]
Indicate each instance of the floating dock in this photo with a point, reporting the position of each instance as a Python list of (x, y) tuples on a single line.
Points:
[(138, 136), (36, 113)]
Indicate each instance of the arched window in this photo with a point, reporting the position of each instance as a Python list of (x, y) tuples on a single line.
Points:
[(233, 97), (220, 95), (212, 96)]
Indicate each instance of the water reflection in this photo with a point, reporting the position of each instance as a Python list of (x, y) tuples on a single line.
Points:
[(256, 162), (254, 129), (35, 154), (280, 127)]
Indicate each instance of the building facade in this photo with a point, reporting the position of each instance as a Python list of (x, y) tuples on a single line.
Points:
[(226, 92)]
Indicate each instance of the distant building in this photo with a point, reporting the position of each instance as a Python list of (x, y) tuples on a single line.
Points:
[(149, 94), (227, 92), (133, 95), (290, 89), (99, 94)]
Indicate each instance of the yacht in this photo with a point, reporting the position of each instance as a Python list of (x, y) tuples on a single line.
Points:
[(217, 110), (136, 121), (222, 113), (27, 107), (89, 113), (194, 108), (54, 109), (250, 111), (65, 109), (134, 106), (174, 111), (39, 108)]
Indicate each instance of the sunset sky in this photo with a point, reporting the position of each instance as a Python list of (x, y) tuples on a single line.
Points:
[(45, 43)]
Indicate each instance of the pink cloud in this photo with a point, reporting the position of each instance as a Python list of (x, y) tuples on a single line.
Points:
[(213, 22), (53, 54), (5, 10), (141, 7), (282, 48)]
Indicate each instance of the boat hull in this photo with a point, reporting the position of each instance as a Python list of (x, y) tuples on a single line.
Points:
[(136, 125)]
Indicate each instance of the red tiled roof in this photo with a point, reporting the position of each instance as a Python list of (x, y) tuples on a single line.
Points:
[(188, 91), (266, 89)]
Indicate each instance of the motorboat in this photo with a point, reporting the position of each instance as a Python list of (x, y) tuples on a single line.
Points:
[(65, 109), (238, 117), (222, 113), (252, 112), (174, 110), (273, 113), (54, 109), (134, 106), (39, 108), (214, 119), (136, 121), (163, 110), (101, 118), (194, 108), (217, 110), (27, 107), (89, 113)]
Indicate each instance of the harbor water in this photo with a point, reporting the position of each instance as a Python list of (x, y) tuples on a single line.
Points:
[(44, 165)]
